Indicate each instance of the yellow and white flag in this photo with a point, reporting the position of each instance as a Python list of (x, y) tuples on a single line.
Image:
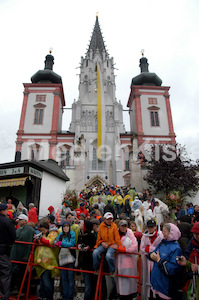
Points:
[(101, 125)]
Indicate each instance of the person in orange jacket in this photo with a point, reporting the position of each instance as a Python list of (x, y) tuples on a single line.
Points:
[(108, 241)]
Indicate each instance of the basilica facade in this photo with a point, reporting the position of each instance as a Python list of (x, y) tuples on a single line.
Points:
[(96, 149)]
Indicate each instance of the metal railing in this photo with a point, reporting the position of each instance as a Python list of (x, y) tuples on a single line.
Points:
[(98, 290)]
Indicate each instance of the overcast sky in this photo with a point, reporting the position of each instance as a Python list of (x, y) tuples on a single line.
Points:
[(167, 30)]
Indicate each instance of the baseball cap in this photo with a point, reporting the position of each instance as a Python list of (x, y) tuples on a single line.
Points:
[(122, 223), (108, 215), (3, 206), (82, 204), (151, 223), (22, 217)]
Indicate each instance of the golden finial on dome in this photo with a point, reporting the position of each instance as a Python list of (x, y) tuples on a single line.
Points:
[(97, 14), (142, 52), (50, 50)]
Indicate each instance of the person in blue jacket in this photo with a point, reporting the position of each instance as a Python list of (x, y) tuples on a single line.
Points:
[(165, 273), (66, 239)]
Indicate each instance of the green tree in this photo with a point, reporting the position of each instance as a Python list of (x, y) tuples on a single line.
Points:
[(170, 169)]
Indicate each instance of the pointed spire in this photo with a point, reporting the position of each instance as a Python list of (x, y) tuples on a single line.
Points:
[(97, 42)]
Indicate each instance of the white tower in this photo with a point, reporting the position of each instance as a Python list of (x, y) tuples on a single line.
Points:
[(41, 115), (150, 116)]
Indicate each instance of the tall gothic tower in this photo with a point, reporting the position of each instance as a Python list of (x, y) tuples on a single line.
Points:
[(97, 116)]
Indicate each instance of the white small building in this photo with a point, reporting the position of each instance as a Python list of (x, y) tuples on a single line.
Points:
[(41, 182)]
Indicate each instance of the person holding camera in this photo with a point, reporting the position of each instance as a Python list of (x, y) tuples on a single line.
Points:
[(165, 277), (191, 267), (86, 242), (191, 259)]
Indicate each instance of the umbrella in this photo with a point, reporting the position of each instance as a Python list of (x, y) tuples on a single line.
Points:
[(136, 204)]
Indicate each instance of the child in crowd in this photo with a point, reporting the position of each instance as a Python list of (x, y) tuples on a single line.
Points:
[(137, 234)]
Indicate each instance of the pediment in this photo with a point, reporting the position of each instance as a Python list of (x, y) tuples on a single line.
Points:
[(153, 107)]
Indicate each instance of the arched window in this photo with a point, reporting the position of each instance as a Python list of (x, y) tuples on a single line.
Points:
[(154, 116), (39, 114)]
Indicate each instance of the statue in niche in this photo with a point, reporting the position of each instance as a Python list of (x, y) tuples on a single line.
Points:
[(80, 140)]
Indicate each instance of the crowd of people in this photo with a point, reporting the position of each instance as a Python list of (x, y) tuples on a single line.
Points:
[(116, 221)]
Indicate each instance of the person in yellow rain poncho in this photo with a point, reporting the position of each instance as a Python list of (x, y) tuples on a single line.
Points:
[(103, 197), (93, 199), (119, 202), (47, 258), (132, 193)]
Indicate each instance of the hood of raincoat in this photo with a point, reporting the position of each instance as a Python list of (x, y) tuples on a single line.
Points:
[(174, 233)]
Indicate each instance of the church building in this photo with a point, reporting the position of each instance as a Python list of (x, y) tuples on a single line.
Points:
[(96, 149)]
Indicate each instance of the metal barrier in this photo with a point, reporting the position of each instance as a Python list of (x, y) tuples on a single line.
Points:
[(98, 291), (145, 283)]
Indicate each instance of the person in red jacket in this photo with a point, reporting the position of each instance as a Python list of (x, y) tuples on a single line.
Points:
[(81, 210), (32, 214)]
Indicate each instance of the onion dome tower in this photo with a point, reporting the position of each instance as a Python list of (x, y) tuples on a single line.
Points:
[(41, 114), (146, 77), (150, 116), (47, 75)]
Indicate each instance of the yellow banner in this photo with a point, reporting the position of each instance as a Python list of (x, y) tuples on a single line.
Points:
[(99, 115)]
